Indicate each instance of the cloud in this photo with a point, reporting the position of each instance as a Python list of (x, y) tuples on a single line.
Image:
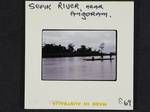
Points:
[(91, 39)]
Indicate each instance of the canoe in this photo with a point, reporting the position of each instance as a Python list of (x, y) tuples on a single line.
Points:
[(98, 59)]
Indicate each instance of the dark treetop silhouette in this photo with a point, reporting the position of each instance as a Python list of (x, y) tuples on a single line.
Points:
[(53, 50)]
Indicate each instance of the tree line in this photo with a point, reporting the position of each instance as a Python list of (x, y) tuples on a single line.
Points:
[(53, 50)]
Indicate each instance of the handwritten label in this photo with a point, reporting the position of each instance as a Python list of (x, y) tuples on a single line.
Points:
[(75, 9), (125, 102)]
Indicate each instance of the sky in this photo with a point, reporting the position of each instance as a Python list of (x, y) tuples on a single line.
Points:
[(91, 39)]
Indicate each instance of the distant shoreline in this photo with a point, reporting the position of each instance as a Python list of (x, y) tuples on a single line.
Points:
[(53, 50), (76, 56)]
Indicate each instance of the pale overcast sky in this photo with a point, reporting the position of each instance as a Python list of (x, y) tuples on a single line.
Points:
[(91, 39)]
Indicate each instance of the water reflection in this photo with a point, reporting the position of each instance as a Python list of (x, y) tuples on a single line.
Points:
[(75, 68)]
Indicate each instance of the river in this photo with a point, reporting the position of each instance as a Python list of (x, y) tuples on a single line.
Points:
[(75, 68)]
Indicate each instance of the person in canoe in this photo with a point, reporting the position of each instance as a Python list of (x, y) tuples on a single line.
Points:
[(110, 55), (101, 54), (92, 58)]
